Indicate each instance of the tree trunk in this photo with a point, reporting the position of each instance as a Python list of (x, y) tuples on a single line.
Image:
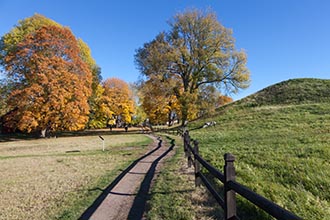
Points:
[(170, 119), (43, 133), (184, 112)]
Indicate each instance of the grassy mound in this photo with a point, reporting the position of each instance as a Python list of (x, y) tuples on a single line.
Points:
[(294, 91), (281, 139)]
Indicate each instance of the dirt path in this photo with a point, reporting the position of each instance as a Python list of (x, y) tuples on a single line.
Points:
[(126, 196)]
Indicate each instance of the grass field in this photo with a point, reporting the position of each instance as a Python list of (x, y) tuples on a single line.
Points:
[(174, 195), (281, 153), (59, 178), (281, 140)]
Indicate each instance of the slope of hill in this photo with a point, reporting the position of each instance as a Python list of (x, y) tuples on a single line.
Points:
[(281, 139), (294, 91)]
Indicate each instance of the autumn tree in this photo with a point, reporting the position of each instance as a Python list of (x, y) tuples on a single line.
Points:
[(159, 103), (100, 112), (52, 82), (196, 51), (207, 100), (120, 99), (10, 41), (4, 92), (86, 55), (140, 116), (223, 100)]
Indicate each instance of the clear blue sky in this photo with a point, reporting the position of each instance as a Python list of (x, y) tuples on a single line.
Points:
[(284, 39)]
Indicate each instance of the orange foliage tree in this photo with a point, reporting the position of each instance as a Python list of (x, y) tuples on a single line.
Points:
[(52, 82), (223, 100), (120, 99)]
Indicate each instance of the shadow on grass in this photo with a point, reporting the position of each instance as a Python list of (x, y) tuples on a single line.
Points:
[(34, 136), (17, 137), (90, 210), (140, 201), (245, 209)]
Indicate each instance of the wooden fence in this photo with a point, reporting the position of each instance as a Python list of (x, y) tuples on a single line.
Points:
[(231, 187)]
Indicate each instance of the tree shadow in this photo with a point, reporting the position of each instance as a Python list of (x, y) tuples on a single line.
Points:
[(140, 201), (10, 137), (91, 209), (17, 137), (245, 209)]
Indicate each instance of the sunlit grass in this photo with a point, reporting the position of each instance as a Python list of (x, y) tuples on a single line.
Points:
[(174, 195), (282, 152), (57, 178)]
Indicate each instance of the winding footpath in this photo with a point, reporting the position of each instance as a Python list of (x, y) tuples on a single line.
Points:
[(127, 195)]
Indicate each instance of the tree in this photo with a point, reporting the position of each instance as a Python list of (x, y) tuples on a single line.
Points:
[(99, 109), (100, 112), (86, 56), (3, 97), (120, 99), (159, 103), (223, 100), (140, 116), (197, 51), (10, 41), (52, 82), (207, 100)]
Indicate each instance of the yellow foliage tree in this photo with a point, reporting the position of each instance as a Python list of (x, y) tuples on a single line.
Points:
[(100, 113), (120, 99), (158, 100)]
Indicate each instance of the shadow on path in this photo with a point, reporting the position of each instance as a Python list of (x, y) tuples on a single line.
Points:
[(139, 204), (90, 210)]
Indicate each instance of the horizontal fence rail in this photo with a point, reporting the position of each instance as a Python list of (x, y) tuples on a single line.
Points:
[(231, 187)]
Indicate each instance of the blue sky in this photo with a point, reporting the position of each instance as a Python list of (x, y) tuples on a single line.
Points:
[(284, 39)]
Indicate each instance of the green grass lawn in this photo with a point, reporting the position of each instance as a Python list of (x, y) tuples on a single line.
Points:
[(59, 178), (281, 153), (174, 195), (281, 140)]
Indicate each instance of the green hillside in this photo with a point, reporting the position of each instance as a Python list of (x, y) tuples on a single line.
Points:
[(294, 91), (281, 139)]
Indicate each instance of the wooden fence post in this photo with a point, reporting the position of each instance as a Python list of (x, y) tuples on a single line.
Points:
[(185, 142), (188, 152), (230, 195), (198, 180)]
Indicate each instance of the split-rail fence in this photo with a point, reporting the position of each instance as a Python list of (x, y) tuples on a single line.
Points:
[(231, 187)]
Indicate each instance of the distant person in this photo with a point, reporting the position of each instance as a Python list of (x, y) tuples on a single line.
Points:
[(126, 127)]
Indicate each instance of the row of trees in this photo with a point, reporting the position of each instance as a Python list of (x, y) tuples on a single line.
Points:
[(52, 82)]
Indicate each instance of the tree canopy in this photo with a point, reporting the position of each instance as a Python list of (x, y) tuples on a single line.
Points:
[(158, 102), (52, 82), (30, 49), (196, 51), (120, 99)]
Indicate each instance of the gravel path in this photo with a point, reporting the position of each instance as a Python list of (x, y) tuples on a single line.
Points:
[(127, 195)]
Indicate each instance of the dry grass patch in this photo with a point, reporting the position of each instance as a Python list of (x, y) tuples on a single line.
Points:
[(39, 180), (65, 144)]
